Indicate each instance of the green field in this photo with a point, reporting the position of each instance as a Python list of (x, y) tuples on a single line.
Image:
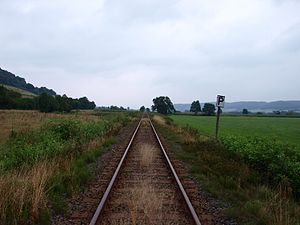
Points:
[(250, 154), (285, 129)]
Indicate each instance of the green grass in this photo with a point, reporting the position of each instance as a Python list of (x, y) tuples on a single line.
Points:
[(50, 163), (59, 136), (81, 171), (286, 130)]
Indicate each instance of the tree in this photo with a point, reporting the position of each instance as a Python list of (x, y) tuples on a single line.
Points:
[(163, 105), (63, 103), (13, 100), (47, 103), (209, 109), (195, 107), (147, 110), (84, 103), (245, 111), (25, 103), (142, 109), (116, 108), (6, 98)]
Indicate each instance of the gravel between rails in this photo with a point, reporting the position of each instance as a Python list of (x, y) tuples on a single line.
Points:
[(145, 192)]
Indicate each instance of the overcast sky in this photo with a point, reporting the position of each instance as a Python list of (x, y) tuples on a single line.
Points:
[(126, 52)]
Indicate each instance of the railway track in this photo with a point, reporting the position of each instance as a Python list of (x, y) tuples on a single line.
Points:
[(145, 188)]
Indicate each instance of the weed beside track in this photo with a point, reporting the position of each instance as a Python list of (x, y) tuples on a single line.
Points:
[(40, 166)]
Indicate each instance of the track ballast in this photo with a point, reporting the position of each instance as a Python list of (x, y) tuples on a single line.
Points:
[(145, 188)]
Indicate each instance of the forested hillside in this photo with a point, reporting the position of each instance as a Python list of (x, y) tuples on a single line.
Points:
[(43, 99), (8, 78), (44, 102)]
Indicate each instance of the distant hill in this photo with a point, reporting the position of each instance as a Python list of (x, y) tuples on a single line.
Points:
[(182, 107), (254, 106), (10, 79)]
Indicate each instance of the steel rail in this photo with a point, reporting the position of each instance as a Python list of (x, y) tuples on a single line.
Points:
[(183, 192), (112, 181)]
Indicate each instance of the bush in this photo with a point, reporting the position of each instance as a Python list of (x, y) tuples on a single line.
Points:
[(275, 159), (64, 129), (40, 168), (56, 137)]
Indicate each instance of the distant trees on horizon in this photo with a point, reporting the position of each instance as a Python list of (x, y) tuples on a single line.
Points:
[(245, 111), (142, 109), (113, 108), (209, 109), (195, 107)]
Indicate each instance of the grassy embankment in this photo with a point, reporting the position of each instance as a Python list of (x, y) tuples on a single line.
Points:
[(22, 121), (257, 176), (47, 157)]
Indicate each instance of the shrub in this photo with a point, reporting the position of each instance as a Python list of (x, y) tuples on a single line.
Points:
[(54, 138), (275, 159)]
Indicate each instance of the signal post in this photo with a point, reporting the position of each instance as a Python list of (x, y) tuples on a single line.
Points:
[(220, 104)]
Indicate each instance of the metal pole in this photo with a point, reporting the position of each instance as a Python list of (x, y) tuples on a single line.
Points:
[(218, 119)]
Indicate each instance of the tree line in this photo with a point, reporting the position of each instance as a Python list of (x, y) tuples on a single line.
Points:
[(44, 102), (164, 105), (208, 108), (112, 108)]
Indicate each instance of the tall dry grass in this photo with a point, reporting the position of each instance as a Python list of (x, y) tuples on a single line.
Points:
[(281, 207), (23, 193), (145, 203), (158, 119), (25, 120), (188, 136), (147, 154)]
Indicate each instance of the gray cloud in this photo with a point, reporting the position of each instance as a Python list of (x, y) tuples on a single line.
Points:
[(127, 52)]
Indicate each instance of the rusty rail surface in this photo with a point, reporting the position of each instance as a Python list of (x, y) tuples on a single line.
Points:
[(114, 177), (112, 181), (178, 182)]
